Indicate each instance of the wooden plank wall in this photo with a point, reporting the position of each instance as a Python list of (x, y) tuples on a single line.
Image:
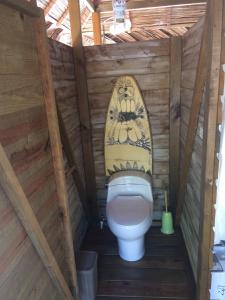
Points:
[(191, 210), (149, 63), (66, 97), (24, 136)]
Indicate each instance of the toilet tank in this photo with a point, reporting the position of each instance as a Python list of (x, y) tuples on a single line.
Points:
[(134, 183)]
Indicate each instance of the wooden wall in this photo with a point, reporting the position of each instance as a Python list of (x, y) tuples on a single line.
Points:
[(25, 138), (191, 212), (149, 63), (66, 98)]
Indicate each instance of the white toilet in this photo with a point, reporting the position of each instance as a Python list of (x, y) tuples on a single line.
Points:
[(128, 161), (129, 211)]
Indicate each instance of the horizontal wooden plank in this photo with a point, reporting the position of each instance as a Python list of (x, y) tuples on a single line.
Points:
[(127, 50), (149, 65), (167, 276), (143, 4), (146, 288), (154, 97), (27, 93), (145, 82), (149, 262)]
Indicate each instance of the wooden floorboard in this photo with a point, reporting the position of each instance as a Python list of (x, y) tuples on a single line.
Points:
[(163, 273)]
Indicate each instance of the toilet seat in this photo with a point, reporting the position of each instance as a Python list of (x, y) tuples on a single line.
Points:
[(129, 210)]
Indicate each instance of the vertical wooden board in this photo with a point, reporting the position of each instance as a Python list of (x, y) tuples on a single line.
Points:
[(208, 171), (96, 21), (191, 212), (200, 80), (64, 79), (83, 104), (175, 83), (73, 167), (127, 50), (54, 135)]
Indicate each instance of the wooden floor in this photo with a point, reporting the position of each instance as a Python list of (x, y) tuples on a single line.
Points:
[(164, 272)]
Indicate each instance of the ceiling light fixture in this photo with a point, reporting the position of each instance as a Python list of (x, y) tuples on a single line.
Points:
[(121, 23)]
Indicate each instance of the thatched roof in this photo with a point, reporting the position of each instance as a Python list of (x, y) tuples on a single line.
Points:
[(147, 23)]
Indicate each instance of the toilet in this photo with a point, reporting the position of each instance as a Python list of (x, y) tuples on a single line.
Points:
[(129, 211), (128, 166)]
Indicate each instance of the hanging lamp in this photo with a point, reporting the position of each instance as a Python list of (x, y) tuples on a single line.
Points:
[(120, 22)]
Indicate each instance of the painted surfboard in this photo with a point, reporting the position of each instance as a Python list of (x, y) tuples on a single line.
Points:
[(128, 140)]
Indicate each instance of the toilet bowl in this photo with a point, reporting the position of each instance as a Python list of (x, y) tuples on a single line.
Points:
[(129, 211)]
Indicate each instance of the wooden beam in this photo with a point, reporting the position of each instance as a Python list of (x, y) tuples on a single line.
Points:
[(90, 5), (200, 80), (85, 22), (152, 27), (72, 164), (96, 21), (174, 149), (22, 6), (49, 6), (48, 18), (56, 147), (83, 103), (145, 4), (21, 205), (62, 18), (208, 194)]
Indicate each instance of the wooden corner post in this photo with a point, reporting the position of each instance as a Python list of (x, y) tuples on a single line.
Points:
[(83, 104), (56, 147), (209, 170), (174, 111)]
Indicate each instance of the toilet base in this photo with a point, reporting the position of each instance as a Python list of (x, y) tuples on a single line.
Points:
[(131, 250)]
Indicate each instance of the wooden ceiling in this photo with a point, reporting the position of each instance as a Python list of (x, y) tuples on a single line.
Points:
[(150, 19)]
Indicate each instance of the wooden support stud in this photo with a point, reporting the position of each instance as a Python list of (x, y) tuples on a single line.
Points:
[(174, 149), (96, 21)]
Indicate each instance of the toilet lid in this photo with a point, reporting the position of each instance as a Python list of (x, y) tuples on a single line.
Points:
[(128, 210)]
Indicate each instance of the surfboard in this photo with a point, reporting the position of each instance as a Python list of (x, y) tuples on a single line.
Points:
[(128, 139)]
